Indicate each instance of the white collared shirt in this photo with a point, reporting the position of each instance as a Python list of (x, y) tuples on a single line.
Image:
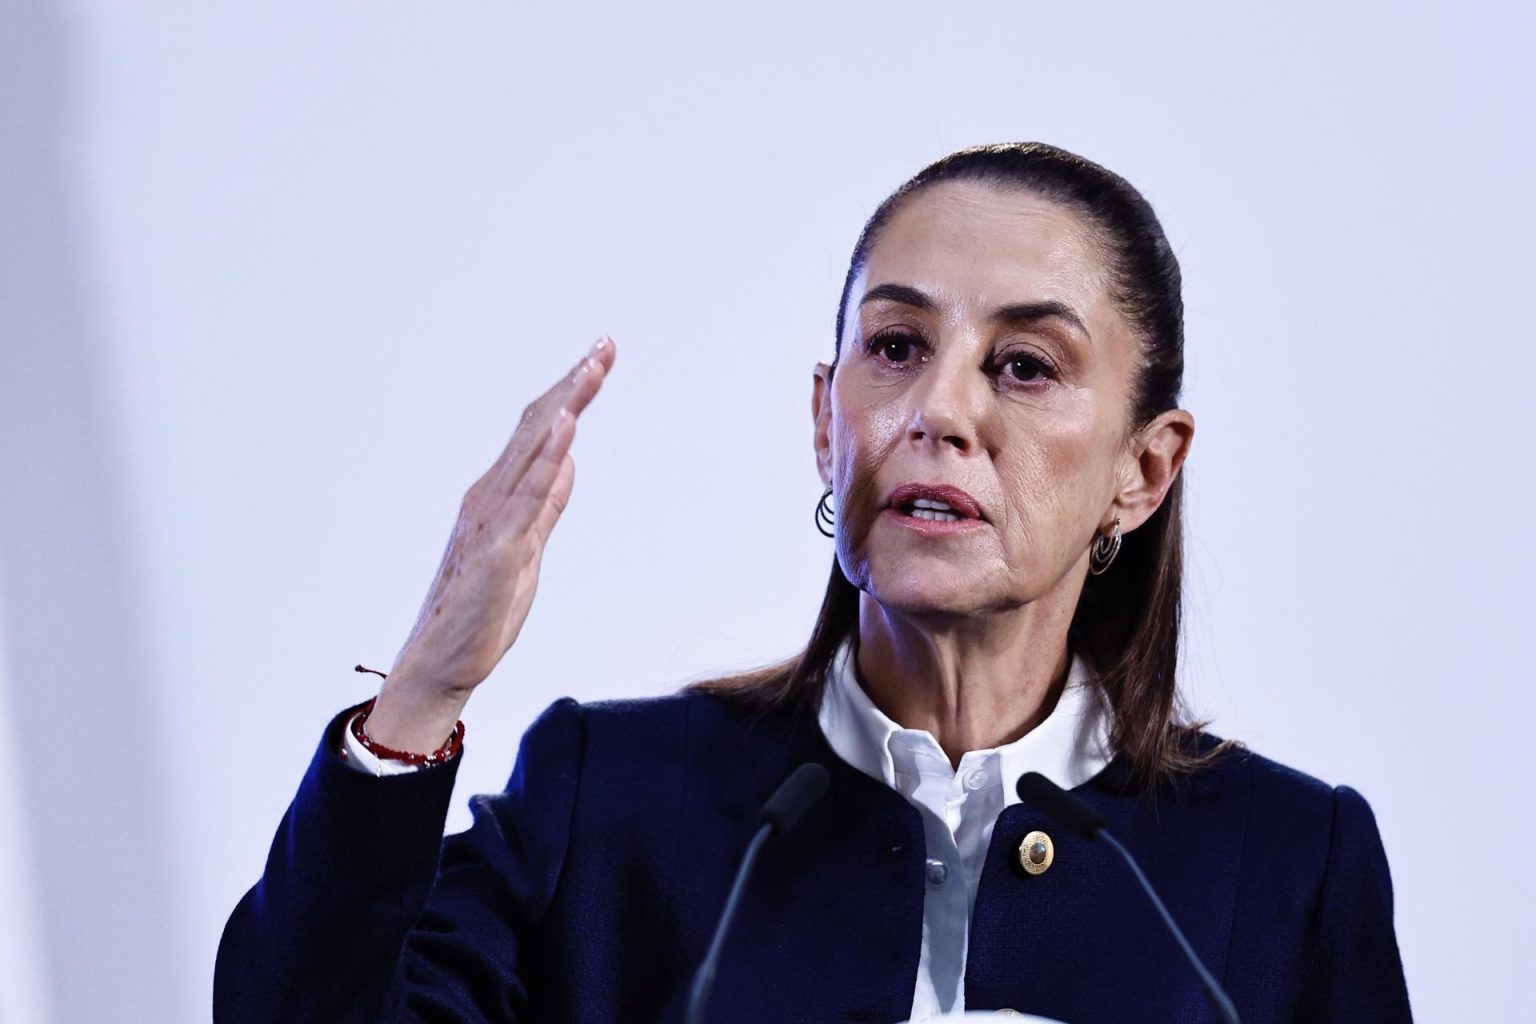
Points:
[(960, 806)]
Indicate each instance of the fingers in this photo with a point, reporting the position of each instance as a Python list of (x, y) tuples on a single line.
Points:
[(584, 383), (573, 392), (559, 497), (527, 507), (576, 388)]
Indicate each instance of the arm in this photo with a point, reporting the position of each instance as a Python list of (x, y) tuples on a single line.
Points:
[(366, 913), (1354, 970), (354, 919)]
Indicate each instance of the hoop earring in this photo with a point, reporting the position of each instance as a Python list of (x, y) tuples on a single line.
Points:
[(824, 514), (1104, 550)]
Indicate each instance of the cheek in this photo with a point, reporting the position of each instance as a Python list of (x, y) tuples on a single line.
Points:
[(1054, 480), (862, 440), (862, 434)]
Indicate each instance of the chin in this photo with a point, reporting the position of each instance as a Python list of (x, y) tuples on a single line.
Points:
[(929, 593)]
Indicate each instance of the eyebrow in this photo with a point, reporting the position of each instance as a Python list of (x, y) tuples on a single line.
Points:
[(1019, 314)]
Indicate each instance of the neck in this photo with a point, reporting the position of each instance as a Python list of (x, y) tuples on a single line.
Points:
[(973, 681)]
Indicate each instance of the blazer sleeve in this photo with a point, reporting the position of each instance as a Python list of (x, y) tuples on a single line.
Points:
[(365, 912), (1354, 972)]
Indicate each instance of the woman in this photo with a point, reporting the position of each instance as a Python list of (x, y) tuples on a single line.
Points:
[(1000, 438)]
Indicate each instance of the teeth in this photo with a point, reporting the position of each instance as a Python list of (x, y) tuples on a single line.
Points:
[(932, 503), (929, 513)]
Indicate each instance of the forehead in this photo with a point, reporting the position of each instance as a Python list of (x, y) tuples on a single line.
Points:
[(967, 243)]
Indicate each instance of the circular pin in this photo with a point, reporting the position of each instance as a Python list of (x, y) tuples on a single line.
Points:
[(1036, 851)]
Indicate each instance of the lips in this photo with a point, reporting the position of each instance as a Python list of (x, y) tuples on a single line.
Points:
[(954, 497)]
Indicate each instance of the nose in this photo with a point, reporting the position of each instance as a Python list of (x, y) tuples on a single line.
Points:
[(948, 402)]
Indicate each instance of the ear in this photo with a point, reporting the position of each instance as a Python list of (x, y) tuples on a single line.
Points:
[(821, 414), (1150, 467)]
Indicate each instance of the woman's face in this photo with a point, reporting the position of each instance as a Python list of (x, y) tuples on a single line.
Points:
[(982, 351)]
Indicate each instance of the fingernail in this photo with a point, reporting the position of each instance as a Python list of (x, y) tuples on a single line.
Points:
[(599, 345)]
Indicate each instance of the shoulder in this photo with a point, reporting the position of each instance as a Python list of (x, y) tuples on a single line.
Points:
[(1338, 815), (658, 717), (1275, 811), (668, 712), (645, 731), (1272, 786), (641, 770), (1255, 801), (1324, 828), (1313, 861)]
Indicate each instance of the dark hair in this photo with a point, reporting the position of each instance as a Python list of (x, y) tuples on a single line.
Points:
[(1128, 619)]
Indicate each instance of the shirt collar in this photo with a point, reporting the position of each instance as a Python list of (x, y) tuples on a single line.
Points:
[(1069, 747)]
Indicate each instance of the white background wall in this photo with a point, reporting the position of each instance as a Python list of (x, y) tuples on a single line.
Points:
[(277, 279)]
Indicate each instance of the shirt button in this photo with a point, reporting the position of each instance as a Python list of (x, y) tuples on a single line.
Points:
[(938, 871), (975, 779)]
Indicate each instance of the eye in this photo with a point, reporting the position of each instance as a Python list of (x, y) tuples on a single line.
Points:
[(1026, 368), (895, 345)]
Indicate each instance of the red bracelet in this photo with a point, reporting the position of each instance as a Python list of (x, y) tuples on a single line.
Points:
[(446, 752)]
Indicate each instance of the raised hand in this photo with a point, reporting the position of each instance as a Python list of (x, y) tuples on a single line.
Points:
[(489, 572)]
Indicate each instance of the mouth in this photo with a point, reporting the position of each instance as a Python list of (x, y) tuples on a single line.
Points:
[(938, 503)]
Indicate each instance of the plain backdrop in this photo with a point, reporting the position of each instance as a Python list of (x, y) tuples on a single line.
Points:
[(276, 281)]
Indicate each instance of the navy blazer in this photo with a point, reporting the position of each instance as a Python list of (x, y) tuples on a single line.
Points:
[(588, 890)]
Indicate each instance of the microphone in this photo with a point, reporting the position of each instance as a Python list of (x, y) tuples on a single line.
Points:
[(1087, 823), (783, 810)]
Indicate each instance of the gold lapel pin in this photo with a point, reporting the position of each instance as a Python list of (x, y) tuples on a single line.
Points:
[(1036, 851)]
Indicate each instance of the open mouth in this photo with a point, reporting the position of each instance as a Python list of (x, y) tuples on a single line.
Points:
[(928, 508), (933, 502)]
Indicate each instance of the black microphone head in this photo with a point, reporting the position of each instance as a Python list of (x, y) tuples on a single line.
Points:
[(794, 796), (1076, 816)]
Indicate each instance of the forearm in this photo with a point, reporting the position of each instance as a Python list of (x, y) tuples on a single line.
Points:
[(319, 937)]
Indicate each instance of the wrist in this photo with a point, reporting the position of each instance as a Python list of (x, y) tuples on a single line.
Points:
[(412, 721)]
